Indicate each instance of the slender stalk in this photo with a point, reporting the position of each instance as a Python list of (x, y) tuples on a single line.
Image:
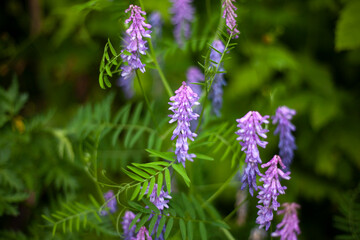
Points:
[(153, 56), (235, 210), (146, 99), (222, 188)]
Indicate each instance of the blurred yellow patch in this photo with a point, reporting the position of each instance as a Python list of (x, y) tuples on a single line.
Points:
[(18, 124)]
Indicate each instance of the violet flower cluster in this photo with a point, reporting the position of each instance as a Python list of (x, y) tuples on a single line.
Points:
[(127, 219), (137, 44), (160, 202), (249, 132), (284, 128), (181, 106), (183, 15), (216, 92), (289, 228), (230, 15), (110, 203), (270, 190)]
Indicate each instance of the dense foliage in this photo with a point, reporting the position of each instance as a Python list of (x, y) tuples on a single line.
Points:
[(70, 134)]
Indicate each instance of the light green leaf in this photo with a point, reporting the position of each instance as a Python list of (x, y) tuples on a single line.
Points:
[(168, 180), (182, 229), (161, 226), (169, 226), (181, 170), (159, 183)]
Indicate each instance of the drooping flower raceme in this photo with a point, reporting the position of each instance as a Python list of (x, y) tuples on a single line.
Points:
[(160, 202), (270, 190), (289, 228), (284, 128), (143, 234), (183, 15), (216, 92), (194, 75), (110, 202), (230, 15), (181, 106), (128, 233), (249, 132), (137, 45)]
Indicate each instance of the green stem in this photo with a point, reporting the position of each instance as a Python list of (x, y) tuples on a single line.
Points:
[(146, 99), (222, 188), (208, 88), (153, 56)]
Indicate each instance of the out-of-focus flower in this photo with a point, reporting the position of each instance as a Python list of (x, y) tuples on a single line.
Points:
[(156, 22), (110, 202), (143, 234), (230, 15), (289, 228), (284, 128), (183, 15), (216, 92), (249, 132), (194, 75), (257, 234), (137, 44), (182, 105), (270, 190), (241, 213), (128, 233)]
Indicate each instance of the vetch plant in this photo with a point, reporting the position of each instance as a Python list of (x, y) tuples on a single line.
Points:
[(284, 128), (289, 228), (249, 136)]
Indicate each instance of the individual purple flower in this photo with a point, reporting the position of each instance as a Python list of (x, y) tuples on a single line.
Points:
[(137, 45), (183, 15), (249, 132), (284, 128), (216, 92), (156, 22), (110, 202), (181, 106), (230, 15), (289, 228), (127, 219), (143, 234), (270, 190)]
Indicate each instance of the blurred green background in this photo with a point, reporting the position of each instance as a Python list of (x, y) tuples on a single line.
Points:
[(303, 54)]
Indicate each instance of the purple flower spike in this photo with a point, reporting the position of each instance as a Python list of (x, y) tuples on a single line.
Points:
[(136, 46), (270, 190), (159, 201), (230, 15), (287, 144), (110, 203), (183, 15), (216, 93), (288, 229), (249, 132), (194, 75), (182, 105), (143, 234), (128, 233)]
